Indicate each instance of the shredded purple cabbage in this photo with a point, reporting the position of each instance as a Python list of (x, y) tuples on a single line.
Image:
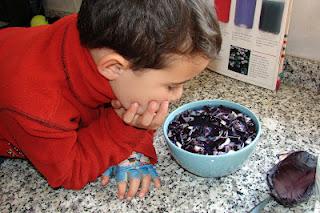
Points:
[(212, 130)]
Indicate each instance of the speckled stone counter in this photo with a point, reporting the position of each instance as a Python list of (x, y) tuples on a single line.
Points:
[(290, 121), (302, 72)]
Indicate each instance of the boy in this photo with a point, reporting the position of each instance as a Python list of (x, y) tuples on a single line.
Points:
[(57, 80)]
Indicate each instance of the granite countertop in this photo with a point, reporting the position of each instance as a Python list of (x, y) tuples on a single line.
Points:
[(290, 121)]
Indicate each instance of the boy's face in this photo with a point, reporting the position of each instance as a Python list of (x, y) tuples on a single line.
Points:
[(147, 85)]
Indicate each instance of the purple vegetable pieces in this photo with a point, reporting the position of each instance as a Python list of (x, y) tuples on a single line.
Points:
[(212, 130)]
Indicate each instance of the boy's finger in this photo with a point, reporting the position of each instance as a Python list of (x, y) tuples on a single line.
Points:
[(116, 104), (120, 112), (145, 185), (161, 114), (122, 186), (134, 184), (105, 180), (157, 183), (130, 113), (149, 114), (136, 120)]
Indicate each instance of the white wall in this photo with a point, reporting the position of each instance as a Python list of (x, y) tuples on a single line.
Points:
[(69, 6), (304, 35)]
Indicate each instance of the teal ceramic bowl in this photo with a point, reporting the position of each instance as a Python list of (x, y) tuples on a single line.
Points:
[(211, 165)]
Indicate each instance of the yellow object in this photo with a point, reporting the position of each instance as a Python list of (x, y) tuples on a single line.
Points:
[(38, 20)]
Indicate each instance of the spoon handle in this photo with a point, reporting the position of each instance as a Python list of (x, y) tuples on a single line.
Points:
[(259, 207)]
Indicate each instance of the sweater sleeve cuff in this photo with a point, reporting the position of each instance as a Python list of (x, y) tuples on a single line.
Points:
[(140, 140)]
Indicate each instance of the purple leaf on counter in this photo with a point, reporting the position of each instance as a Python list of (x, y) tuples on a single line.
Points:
[(291, 181)]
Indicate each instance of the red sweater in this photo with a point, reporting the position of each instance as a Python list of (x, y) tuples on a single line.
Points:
[(51, 107)]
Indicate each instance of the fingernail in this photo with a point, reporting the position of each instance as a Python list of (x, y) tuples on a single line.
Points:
[(135, 104), (121, 197), (155, 105), (129, 198), (141, 195)]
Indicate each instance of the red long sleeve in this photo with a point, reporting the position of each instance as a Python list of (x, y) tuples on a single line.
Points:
[(73, 158), (51, 107)]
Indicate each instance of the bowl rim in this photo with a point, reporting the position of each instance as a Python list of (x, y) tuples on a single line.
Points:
[(200, 103)]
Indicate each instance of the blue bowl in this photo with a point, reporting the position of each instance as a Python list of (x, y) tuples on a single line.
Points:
[(211, 165)]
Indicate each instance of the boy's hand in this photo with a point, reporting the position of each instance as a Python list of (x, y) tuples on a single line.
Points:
[(137, 171), (152, 118)]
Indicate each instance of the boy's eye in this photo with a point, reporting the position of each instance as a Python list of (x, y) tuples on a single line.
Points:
[(171, 88)]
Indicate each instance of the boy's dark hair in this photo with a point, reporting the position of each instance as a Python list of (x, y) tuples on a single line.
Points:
[(145, 32)]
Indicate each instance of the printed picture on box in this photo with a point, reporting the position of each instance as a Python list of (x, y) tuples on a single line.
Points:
[(239, 60)]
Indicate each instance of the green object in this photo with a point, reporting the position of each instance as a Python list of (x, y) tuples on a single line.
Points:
[(38, 20), (281, 75)]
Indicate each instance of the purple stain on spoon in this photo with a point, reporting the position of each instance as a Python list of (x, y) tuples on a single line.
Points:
[(212, 130)]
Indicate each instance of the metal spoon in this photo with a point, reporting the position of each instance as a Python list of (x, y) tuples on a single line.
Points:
[(260, 206)]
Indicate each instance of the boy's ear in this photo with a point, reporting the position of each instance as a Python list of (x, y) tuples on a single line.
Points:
[(112, 65)]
